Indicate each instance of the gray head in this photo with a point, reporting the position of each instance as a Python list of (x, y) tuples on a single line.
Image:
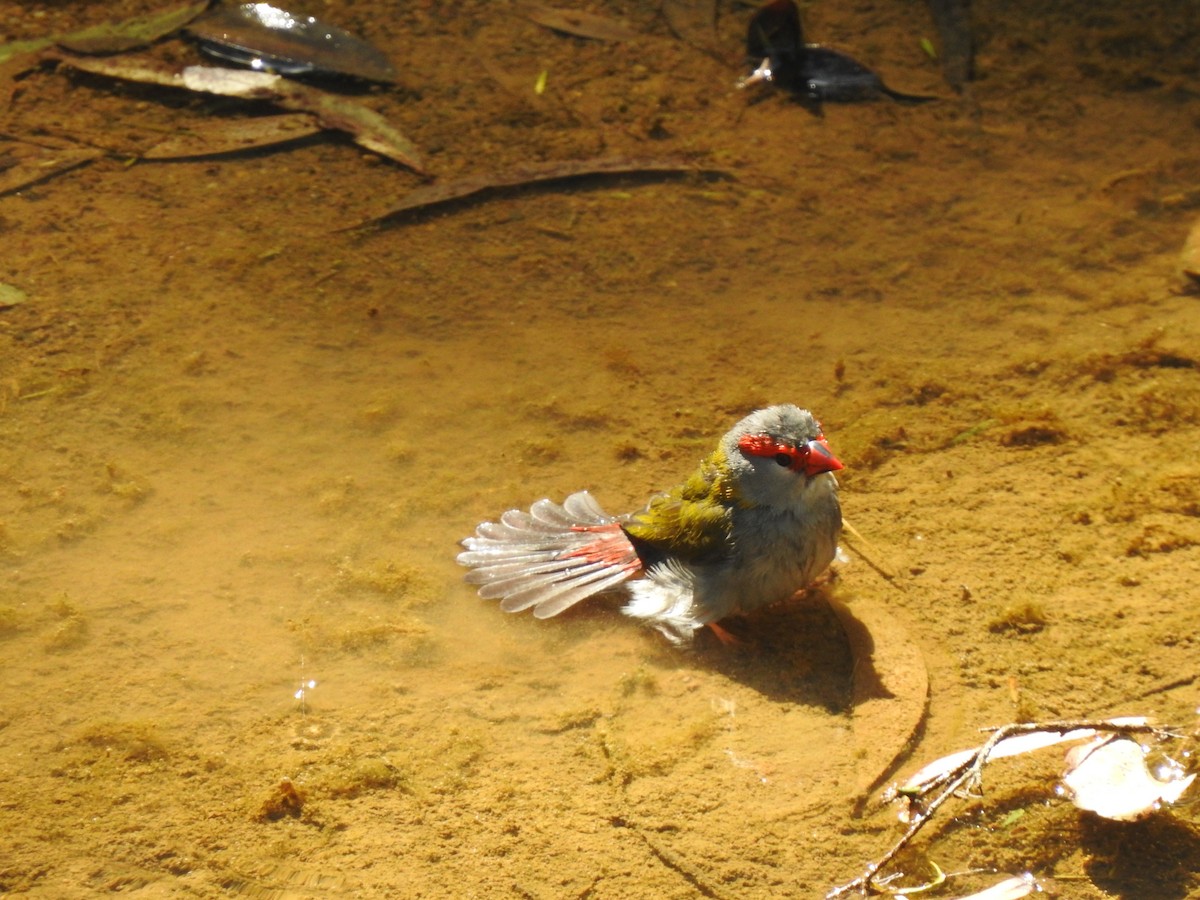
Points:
[(775, 452)]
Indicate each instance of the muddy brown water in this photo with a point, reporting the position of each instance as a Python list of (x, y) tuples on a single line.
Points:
[(238, 445)]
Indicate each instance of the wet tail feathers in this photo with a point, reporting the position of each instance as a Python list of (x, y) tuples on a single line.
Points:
[(550, 557)]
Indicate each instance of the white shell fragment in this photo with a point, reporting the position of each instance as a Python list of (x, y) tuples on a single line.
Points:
[(1012, 746), (229, 82), (1108, 776), (1009, 889)]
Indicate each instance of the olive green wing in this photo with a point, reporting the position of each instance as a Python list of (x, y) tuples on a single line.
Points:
[(693, 522)]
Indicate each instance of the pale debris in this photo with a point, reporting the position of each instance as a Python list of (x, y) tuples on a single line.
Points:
[(1011, 746), (229, 82), (1009, 889), (1108, 776), (760, 75)]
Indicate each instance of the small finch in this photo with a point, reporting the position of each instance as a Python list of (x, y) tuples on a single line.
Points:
[(755, 523)]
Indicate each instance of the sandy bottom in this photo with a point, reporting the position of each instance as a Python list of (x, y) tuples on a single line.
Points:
[(238, 445)]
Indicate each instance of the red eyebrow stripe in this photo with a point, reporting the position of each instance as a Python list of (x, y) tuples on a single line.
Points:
[(764, 445), (811, 458)]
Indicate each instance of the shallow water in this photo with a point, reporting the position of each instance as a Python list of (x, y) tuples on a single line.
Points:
[(238, 445)]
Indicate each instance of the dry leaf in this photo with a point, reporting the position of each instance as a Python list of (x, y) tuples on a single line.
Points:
[(1108, 776), (527, 175), (365, 126), (582, 24), (1009, 889), (891, 691), (11, 296), (118, 37), (243, 83), (1010, 746), (37, 164), (234, 135), (113, 37)]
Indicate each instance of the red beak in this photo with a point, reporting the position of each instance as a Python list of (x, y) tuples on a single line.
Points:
[(820, 458)]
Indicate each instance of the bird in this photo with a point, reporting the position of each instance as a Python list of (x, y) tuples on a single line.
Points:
[(756, 522)]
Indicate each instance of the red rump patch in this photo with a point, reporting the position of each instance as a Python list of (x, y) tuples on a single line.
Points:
[(611, 547)]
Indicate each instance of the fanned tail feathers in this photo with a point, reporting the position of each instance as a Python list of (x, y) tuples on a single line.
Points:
[(551, 557)]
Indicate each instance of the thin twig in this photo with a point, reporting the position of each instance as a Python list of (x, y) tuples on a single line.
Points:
[(968, 774), (677, 865)]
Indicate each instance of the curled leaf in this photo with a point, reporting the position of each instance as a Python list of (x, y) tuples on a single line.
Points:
[(582, 24), (891, 690), (1011, 746), (529, 175), (11, 296), (237, 135), (231, 82), (368, 128), (118, 37), (1009, 889), (110, 37), (1108, 776), (29, 165)]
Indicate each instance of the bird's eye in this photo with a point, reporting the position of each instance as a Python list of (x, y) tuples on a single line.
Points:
[(783, 459)]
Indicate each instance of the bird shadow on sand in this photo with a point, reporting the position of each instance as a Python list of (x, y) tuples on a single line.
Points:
[(792, 652), (809, 649), (821, 649)]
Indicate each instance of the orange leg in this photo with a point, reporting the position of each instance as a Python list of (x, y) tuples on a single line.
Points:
[(723, 636)]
